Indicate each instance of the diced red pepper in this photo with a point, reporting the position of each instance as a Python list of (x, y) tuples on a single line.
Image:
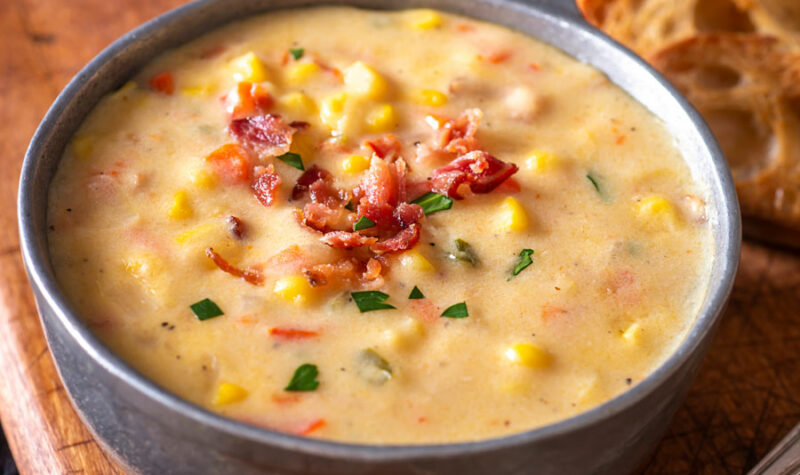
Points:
[(163, 83)]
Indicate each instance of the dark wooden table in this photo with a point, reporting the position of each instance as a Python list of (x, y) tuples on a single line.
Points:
[(746, 398)]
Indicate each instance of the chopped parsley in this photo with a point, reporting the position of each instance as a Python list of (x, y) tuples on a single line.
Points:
[(296, 53), (415, 294), (370, 300), (206, 309), (292, 159), (597, 183), (464, 253), (524, 261), (432, 202), (363, 223), (458, 310), (304, 378)]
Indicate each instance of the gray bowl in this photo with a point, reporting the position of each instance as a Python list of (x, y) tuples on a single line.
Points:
[(152, 431)]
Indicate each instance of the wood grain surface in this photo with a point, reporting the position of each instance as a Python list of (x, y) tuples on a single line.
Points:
[(746, 398)]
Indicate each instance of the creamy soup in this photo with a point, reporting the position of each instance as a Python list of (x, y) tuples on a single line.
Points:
[(380, 227)]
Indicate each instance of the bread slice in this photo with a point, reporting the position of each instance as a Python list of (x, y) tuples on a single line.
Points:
[(646, 26), (747, 87), (776, 17)]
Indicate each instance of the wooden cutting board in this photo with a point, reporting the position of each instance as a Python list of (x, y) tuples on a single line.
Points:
[(746, 397)]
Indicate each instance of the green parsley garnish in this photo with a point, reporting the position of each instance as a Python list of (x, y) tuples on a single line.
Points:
[(415, 294), (292, 159), (363, 223), (304, 379), (458, 310), (296, 53), (432, 202), (205, 309), (597, 183), (370, 300), (524, 261), (464, 253)]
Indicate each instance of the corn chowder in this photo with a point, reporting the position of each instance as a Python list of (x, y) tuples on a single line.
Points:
[(380, 227)]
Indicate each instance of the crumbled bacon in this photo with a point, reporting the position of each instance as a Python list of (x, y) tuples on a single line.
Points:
[(247, 99), (266, 185), (319, 183), (407, 214), (266, 134), (350, 271), (402, 241), (479, 170), (235, 226), (251, 276), (458, 135), (346, 239), (386, 147), (324, 219)]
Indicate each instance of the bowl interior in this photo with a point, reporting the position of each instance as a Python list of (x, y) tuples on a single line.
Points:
[(544, 20)]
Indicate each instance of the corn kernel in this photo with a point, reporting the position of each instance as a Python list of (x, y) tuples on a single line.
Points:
[(633, 333), (203, 179), (360, 79), (657, 212), (405, 335), (229, 393), (415, 261), (301, 72), (298, 104), (424, 19), (294, 289), (429, 97), (193, 233), (528, 354), (512, 216), (541, 162), (332, 110), (148, 269), (82, 146), (180, 209), (303, 144), (199, 91), (381, 119), (355, 164), (249, 67)]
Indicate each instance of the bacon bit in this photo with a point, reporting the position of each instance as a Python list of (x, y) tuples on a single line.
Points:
[(620, 140), (312, 426), (299, 124), (479, 170), (251, 276), (509, 186), (534, 66), (163, 83), (319, 182), (464, 28), (286, 399), (415, 189), (458, 135), (551, 311), (247, 100), (380, 191), (266, 185), (266, 134), (330, 70), (289, 334), (235, 226), (324, 219), (497, 57), (232, 163), (348, 271), (402, 241), (346, 239), (386, 147)]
